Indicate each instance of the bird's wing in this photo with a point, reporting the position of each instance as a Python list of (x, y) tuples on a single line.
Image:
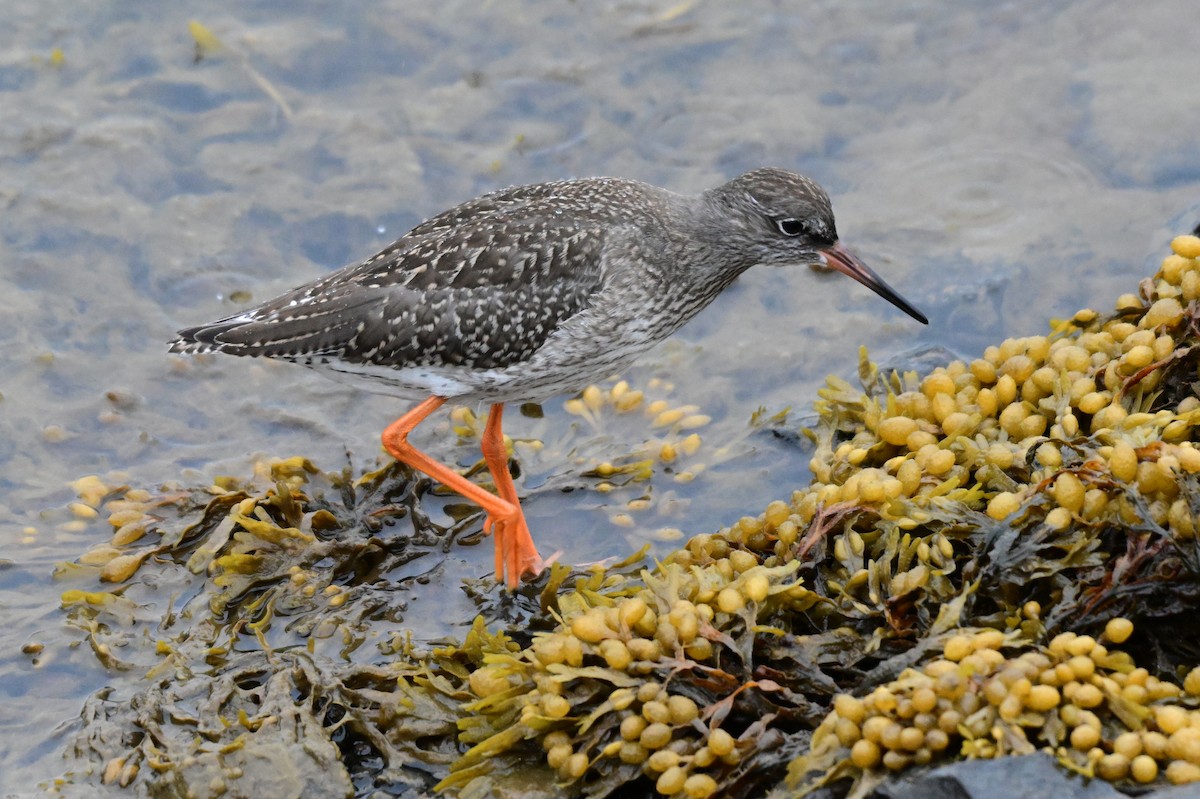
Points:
[(483, 287), (509, 201)]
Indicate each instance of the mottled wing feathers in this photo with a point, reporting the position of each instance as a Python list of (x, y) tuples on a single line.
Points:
[(279, 328), (487, 254), (481, 285), (491, 204), (474, 327)]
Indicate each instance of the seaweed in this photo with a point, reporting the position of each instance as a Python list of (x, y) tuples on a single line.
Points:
[(992, 558)]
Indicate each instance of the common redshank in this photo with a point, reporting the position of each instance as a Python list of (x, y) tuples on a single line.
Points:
[(529, 292)]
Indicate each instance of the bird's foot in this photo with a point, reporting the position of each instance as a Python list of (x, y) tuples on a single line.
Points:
[(516, 555)]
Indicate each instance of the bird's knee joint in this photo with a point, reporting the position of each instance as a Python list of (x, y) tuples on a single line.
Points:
[(494, 449)]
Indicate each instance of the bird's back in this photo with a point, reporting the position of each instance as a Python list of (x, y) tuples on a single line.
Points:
[(480, 286)]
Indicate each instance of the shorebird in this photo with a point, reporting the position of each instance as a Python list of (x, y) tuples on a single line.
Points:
[(529, 292)]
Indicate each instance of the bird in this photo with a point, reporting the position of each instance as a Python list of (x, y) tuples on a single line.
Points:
[(529, 292)]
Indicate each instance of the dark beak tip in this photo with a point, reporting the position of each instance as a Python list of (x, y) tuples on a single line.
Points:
[(839, 258)]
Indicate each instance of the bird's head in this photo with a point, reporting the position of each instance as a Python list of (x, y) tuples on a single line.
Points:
[(784, 218)]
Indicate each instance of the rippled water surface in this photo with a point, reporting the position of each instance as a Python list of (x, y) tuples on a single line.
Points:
[(999, 163)]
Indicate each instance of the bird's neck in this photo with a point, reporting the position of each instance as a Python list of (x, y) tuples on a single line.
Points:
[(694, 262), (717, 233)]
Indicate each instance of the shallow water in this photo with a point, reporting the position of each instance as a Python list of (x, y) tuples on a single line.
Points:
[(999, 164)]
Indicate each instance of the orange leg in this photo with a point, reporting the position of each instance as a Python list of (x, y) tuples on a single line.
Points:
[(504, 514), (516, 554)]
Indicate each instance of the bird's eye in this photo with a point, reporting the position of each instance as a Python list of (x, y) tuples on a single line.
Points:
[(790, 227)]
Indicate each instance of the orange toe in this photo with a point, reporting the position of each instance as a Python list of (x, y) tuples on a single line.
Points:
[(522, 557), (516, 554), (498, 531)]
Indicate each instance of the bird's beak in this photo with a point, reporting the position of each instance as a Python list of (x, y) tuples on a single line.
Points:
[(841, 259)]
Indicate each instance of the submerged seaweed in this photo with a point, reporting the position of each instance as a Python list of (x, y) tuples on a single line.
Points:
[(992, 559)]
